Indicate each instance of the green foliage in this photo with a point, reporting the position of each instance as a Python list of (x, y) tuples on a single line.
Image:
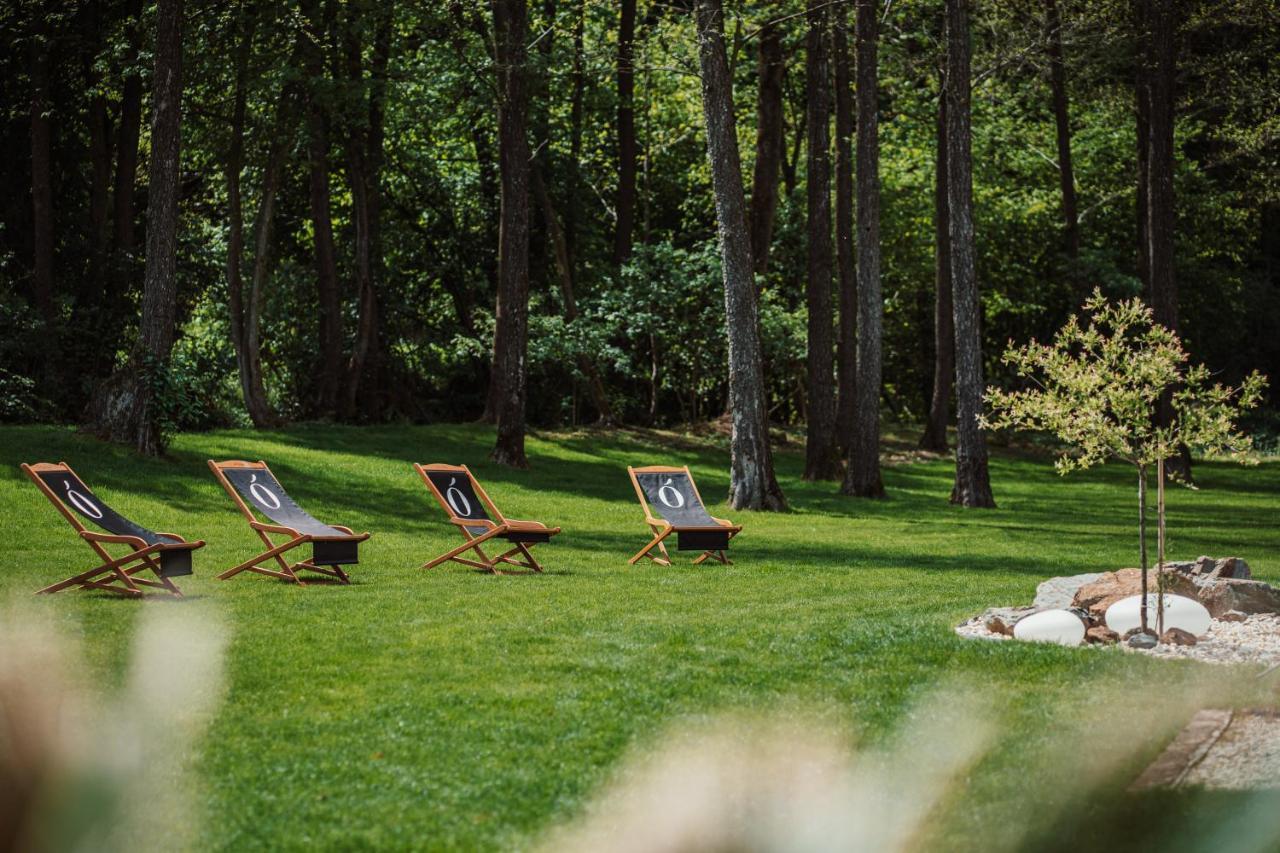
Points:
[(1097, 388), (438, 228)]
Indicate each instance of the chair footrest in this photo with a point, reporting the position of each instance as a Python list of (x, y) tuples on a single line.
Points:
[(334, 553), (702, 540)]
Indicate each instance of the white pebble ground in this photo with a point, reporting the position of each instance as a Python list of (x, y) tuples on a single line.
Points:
[(1256, 640)]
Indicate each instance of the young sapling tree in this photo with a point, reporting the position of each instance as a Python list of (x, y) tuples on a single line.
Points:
[(1096, 387)]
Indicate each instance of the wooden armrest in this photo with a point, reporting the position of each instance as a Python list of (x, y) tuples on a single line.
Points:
[(273, 528), (473, 522), (346, 530), (91, 536), (521, 522)]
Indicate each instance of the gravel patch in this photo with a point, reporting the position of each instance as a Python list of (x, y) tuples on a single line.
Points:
[(1245, 757), (1255, 640)]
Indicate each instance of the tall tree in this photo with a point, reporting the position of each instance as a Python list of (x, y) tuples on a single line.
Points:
[(127, 150), (944, 334), (1162, 286), (847, 332), (245, 319), (1062, 121), (364, 156), (1142, 99), (973, 482), (41, 172), (626, 72), (770, 68), (160, 284), (125, 407), (862, 478), (557, 238), (573, 177), (99, 121), (822, 458), (752, 484), (510, 27), (328, 293)]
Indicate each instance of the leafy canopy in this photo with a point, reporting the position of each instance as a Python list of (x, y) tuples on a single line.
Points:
[(1097, 387)]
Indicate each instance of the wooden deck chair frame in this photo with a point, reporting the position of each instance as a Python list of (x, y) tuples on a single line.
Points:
[(288, 571), (503, 526), (115, 574), (660, 528)]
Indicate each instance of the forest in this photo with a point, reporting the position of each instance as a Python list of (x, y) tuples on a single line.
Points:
[(821, 215)]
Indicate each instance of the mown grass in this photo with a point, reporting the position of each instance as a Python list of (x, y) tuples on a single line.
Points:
[(454, 709)]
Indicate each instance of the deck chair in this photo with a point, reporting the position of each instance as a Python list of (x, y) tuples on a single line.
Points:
[(253, 486), (167, 555), (674, 495), (472, 511)]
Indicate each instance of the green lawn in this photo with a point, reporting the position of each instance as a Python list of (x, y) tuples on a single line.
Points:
[(454, 709)]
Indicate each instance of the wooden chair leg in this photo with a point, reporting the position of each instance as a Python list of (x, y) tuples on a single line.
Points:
[(163, 581), (463, 548), (252, 565), (530, 562), (328, 571), (118, 568), (655, 542)]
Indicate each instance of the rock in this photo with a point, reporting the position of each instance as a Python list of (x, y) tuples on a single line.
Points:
[(1110, 587), (1208, 567), (1233, 616), (1051, 626), (1138, 640), (1058, 593), (1178, 637), (1000, 620), (1102, 635), (996, 625), (1221, 595)]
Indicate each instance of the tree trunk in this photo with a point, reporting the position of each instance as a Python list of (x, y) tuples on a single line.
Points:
[(752, 484), (510, 25), (127, 154), (847, 335), (790, 165), (465, 18), (99, 121), (364, 173), (769, 143), (822, 460), (1142, 541), (626, 132), (862, 478), (41, 176), (973, 482), (944, 335), (250, 359), (244, 325), (160, 292), (328, 295), (1066, 173), (573, 180), (595, 384), (1142, 98), (1161, 220)]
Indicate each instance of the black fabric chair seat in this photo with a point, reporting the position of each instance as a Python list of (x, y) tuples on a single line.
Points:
[(526, 536), (702, 540)]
